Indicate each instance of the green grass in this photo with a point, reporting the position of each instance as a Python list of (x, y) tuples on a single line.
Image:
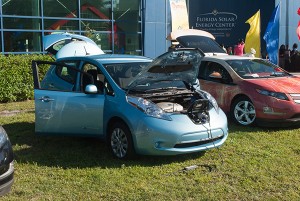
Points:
[(253, 164)]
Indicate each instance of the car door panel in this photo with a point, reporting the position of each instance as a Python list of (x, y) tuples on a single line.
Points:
[(68, 112)]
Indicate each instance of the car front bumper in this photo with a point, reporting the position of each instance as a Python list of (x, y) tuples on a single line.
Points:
[(161, 137), (7, 180)]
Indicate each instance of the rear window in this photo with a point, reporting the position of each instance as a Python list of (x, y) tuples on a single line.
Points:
[(205, 44)]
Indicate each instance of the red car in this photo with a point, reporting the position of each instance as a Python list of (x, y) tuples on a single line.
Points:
[(252, 90)]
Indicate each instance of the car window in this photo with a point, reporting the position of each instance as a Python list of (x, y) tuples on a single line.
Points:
[(61, 77), (256, 68), (96, 77), (66, 73), (213, 71)]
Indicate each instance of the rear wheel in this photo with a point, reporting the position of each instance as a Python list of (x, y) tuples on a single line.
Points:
[(121, 141), (243, 111)]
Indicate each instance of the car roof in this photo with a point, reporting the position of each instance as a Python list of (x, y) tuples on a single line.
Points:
[(228, 57), (110, 58)]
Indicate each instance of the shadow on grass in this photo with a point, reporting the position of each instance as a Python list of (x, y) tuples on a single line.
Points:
[(74, 152), (254, 128), (78, 152)]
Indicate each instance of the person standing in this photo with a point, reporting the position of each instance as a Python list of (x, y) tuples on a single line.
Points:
[(239, 48), (287, 58), (295, 49), (295, 59), (281, 56), (229, 50)]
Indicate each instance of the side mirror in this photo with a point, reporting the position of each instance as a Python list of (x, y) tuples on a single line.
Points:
[(91, 89)]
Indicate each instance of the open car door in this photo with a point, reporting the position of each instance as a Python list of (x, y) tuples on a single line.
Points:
[(60, 109)]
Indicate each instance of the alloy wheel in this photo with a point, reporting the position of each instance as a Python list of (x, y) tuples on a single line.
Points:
[(119, 143), (244, 112)]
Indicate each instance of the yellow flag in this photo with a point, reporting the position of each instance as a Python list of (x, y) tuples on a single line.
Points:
[(253, 35)]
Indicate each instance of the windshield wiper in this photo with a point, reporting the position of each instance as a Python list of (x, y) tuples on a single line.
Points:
[(278, 74)]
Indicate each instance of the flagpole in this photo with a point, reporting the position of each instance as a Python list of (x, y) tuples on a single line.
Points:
[(260, 34), (287, 23)]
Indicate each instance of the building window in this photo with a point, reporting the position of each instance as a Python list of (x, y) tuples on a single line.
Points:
[(115, 25)]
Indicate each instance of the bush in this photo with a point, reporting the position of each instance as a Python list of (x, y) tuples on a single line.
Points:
[(16, 83)]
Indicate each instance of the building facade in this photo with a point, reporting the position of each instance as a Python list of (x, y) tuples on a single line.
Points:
[(118, 26)]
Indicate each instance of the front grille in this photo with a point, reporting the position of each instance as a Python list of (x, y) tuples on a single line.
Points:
[(4, 168), (194, 144), (296, 98), (7, 179)]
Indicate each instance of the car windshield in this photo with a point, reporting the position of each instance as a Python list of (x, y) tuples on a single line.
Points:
[(124, 73), (256, 68)]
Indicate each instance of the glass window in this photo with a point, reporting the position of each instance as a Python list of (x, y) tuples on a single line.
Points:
[(66, 73), (103, 40), (96, 77), (61, 8), (127, 27), (24, 7), (95, 25), (87, 17), (18, 41), (21, 23), (96, 9), (65, 25), (64, 80), (127, 10), (128, 43)]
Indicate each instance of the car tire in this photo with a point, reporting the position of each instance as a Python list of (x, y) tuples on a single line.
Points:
[(120, 141), (243, 111)]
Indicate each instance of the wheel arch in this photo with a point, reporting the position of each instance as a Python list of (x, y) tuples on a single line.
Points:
[(235, 98)]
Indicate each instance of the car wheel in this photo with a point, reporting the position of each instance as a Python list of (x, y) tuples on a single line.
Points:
[(121, 141), (243, 111)]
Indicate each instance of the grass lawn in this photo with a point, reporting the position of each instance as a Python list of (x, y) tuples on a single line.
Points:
[(253, 164)]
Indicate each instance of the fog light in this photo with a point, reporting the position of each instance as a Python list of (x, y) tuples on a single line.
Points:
[(268, 110)]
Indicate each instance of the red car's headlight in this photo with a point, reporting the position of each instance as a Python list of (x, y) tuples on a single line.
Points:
[(279, 95)]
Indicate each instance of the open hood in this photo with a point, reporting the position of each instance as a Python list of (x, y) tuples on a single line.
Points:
[(193, 38), (66, 44), (180, 65)]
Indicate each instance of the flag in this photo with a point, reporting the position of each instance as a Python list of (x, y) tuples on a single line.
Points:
[(179, 15), (272, 35), (253, 35)]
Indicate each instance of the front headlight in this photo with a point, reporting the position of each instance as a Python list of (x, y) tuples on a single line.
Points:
[(211, 99), (3, 137), (277, 95), (148, 107)]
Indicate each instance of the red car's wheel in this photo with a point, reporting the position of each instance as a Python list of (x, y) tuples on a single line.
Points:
[(243, 111)]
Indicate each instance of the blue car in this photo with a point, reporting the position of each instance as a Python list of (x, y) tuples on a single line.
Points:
[(138, 105)]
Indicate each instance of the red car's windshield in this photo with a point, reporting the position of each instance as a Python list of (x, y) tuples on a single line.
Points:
[(256, 68)]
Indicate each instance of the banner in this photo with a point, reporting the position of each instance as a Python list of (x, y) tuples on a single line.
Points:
[(271, 35), (179, 15), (253, 35)]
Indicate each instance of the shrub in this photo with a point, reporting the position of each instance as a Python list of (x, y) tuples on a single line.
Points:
[(16, 83)]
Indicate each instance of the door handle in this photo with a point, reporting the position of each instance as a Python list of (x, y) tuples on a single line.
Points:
[(46, 99)]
